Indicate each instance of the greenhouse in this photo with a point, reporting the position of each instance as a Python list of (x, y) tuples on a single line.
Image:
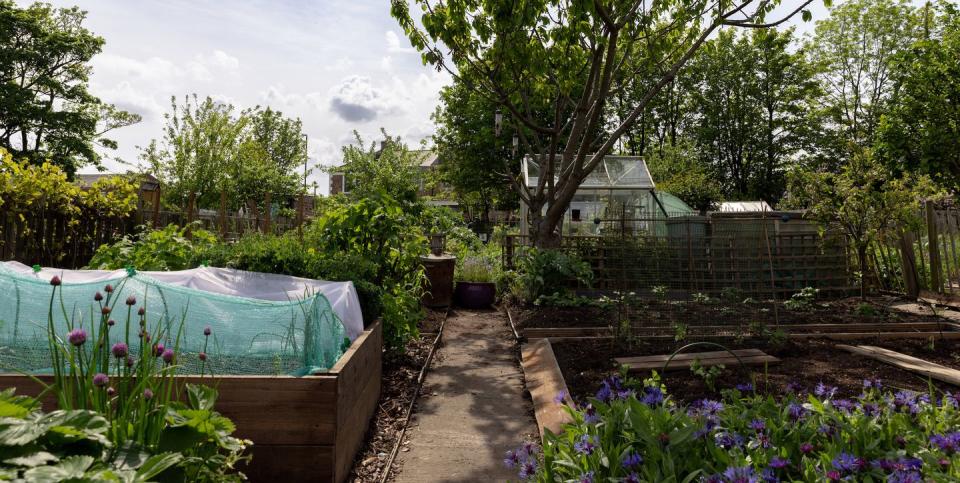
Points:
[(243, 322), (619, 196)]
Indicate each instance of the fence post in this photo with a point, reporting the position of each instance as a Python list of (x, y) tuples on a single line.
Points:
[(156, 208), (223, 214), (300, 215), (266, 214), (909, 261), (256, 214), (936, 282)]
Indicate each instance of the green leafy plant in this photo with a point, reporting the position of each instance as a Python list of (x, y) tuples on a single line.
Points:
[(802, 301), (679, 331), (708, 374), (865, 309), (660, 292), (169, 248), (543, 272), (702, 298)]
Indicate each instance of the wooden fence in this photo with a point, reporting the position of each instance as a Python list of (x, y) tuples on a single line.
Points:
[(53, 239), (758, 256), (924, 261)]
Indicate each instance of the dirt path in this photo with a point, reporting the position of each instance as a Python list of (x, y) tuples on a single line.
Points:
[(472, 409)]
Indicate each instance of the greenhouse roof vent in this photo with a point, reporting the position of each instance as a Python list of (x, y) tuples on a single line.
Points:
[(614, 172)]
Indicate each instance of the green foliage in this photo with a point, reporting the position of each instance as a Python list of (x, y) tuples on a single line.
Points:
[(475, 269), (709, 374), (633, 432), (702, 298), (386, 169), (207, 148), (866, 309), (544, 272), (166, 249), (921, 130), (802, 301), (46, 109)]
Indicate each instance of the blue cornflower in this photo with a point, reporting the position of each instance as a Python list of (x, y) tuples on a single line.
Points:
[(744, 474), (652, 396), (632, 478), (745, 387), (528, 469), (605, 394), (769, 476), (872, 383), (560, 397), (590, 415), (586, 477), (779, 463), (727, 440), (631, 460), (707, 406), (586, 445), (825, 391), (948, 443), (758, 425), (903, 476), (793, 387), (511, 459), (845, 405), (796, 411), (846, 463)]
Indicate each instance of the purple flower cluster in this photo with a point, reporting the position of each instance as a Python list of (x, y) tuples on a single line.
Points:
[(586, 445), (735, 474), (631, 461), (824, 391), (948, 443)]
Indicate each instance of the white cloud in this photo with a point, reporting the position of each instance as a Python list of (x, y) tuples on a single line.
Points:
[(224, 60), (394, 46), (386, 63), (355, 99), (128, 98)]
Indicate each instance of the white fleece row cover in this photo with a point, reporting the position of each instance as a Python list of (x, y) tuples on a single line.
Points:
[(226, 281)]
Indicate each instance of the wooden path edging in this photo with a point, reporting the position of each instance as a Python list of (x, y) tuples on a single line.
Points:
[(545, 381), (903, 361)]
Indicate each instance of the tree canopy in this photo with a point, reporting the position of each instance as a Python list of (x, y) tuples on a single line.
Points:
[(573, 56), (46, 109)]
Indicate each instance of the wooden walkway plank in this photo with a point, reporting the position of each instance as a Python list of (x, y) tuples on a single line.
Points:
[(903, 361), (748, 357), (545, 382)]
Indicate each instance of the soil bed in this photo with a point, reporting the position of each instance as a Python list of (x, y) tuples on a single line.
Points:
[(400, 371), (585, 363), (875, 310)]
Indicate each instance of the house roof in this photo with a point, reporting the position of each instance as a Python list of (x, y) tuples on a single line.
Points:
[(614, 172)]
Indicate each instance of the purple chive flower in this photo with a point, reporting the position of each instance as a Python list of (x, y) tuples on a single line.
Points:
[(147, 394), (833, 475), (97, 297), (779, 463), (744, 387), (131, 300), (55, 281), (77, 337), (744, 474), (824, 391), (586, 445), (158, 349), (111, 391), (757, 425), (142, 311), (111, 323), (202, 356), (168, 356), (108, 288), (130, 361), (207, 331), (100, 380), (631, 460), (105, 310), (119, 350)]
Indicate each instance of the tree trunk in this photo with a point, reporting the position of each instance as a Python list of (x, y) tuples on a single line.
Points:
[(862, 262)]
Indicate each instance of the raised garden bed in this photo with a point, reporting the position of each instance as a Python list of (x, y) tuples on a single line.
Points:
[(585, 363), (303, 428)]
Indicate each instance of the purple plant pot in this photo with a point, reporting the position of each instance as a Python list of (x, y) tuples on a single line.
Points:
[(475, 295)]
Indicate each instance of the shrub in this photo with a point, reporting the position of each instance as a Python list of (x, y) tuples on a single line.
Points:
[(160, 250), (802, 301), (632, 432), (544, 272)]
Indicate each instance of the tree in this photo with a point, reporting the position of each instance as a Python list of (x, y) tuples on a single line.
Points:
[(862, 201), (679, 171), (854, 48), (207, 147), (921, 131), (46, 110), (750, 96), (575, 57), (469, 151), (388, 169)]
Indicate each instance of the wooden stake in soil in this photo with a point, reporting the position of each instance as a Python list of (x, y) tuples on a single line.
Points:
[(903, 361)]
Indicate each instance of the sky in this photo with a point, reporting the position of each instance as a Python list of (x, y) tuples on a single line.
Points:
[(338, 65)]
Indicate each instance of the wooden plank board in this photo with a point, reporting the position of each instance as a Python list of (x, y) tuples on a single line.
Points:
[(545, 382), (541, 332), (358, 391), (749, 357), (903, 361)]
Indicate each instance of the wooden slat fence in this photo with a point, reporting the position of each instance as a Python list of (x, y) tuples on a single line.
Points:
[(52, 239)]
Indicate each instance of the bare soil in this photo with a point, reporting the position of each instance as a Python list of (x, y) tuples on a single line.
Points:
[(585, 363)]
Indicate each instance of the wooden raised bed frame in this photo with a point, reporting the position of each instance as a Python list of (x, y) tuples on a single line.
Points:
[(303, 428)]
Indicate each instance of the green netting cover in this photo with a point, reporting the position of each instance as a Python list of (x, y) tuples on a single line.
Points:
[(248, 336)]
